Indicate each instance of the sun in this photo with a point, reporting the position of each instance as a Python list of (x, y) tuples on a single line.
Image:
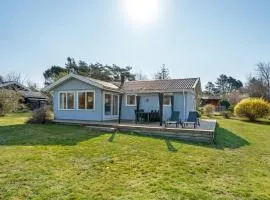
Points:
[(142, 12)]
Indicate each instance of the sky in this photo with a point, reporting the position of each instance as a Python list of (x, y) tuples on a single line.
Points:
[(192, 38)]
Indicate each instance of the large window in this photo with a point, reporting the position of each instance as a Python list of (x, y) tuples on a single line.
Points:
[(111, 105), (131, 100), (86, 100), (66, 100), (166, 100)]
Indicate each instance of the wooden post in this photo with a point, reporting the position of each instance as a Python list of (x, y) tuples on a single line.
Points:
[(160, 95), (137, 107), (172, 103), (120, 108)]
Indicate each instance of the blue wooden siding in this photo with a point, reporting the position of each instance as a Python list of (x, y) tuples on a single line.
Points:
[(76, 85), (150, 102)]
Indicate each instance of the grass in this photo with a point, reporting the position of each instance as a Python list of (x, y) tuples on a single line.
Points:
[(70, 162)]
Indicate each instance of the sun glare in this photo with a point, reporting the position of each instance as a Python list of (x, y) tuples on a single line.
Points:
[(142, 12)]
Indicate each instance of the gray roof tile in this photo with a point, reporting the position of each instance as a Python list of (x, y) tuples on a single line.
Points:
[(159, 85)]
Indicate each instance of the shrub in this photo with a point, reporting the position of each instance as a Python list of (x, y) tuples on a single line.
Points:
[(226, 114), (40, 116), (9, 101), (225, 103), (235, 97), (252, 108), (208, 109)]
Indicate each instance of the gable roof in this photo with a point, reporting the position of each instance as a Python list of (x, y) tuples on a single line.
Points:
[(142, 86), (33, 94), (167, 85), (13, 83), (91, 81)]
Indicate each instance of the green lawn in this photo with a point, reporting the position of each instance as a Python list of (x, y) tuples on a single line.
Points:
[(70, 162)]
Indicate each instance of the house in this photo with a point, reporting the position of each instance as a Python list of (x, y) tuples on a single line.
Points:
[(211, 99), (34, 99), (77, 97)]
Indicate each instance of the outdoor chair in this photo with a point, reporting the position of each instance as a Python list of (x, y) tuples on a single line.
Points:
[(174, 119), (193, 118)]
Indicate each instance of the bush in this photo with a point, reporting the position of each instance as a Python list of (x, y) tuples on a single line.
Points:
[(226, 114), (225, 103), (9, 101), (252, 108), (41, 116), (208, 109)]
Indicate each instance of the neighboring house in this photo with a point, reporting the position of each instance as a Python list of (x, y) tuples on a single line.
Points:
[(77, 97), (211, 99), (34, 99)]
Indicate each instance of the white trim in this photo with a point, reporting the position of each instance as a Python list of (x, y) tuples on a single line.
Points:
[(65, 92), (91, 81), (110, 117), (196, 82), (94, 100), (135, 100), (184, 105)]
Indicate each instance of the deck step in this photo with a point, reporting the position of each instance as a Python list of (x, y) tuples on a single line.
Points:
[(100, 128)]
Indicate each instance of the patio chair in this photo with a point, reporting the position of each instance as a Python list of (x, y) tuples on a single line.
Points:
[(193, 118), (174, 119)]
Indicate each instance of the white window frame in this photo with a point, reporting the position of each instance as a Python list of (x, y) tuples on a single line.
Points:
[(112, 94), (65, 92), (135, 100), (85, 102), (167, 104)]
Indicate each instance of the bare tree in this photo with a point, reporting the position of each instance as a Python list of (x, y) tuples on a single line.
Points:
[(31, 85), (263, 70), (255, 87), (140, 76), (16, 77)]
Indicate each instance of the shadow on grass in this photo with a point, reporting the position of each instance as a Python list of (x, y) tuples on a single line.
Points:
[(227, 139), (45, 134), (111, 138), (259, 121), (170, 147), (223, 139)]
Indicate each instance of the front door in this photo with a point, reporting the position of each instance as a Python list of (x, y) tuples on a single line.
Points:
[(111, 106)]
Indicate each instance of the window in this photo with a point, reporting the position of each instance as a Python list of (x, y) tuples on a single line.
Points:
[(111, 105), (131, 100), (66, 100), (86, 100), (167, 100)]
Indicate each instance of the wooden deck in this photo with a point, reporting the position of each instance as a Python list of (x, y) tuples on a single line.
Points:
[(203, 133)]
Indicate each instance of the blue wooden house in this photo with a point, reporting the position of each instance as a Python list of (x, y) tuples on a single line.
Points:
[(77, 97)]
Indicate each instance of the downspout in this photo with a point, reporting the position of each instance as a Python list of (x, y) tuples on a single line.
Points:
[(184, 105)]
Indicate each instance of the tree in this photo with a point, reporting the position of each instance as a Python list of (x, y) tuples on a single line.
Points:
[(1, 79), (226, 84), (235, 97), (210, 88), (221, 83), (53, 74), (14, 77), (32, 86), (256, 88), (9, 101), (96, 71), (140, 76), (163, 73), (263, 70)]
